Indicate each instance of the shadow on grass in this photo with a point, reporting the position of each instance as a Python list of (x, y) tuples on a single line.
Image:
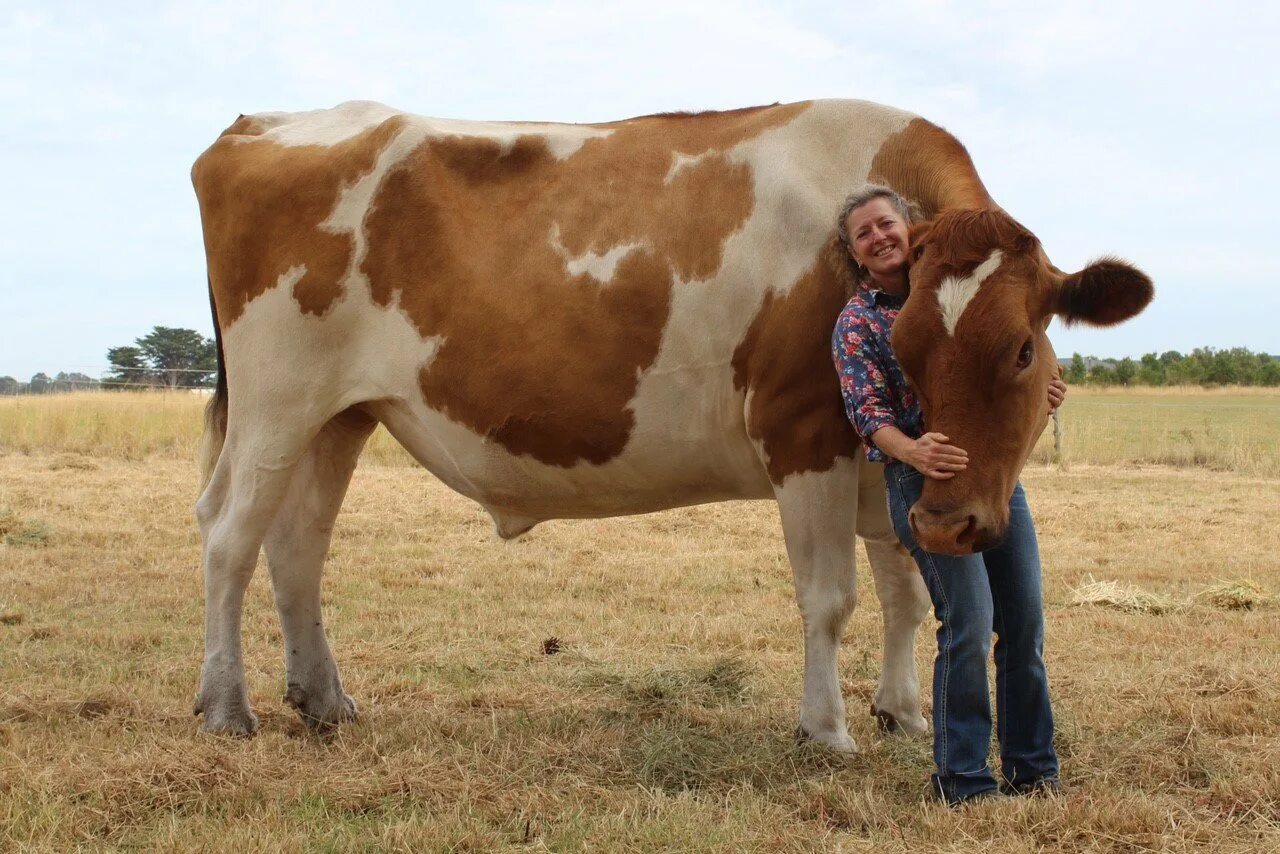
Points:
[(655, 692), (695, 728)]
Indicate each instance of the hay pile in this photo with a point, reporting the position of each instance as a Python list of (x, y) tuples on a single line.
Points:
[(1226, 595), (1235, 596), (1113, 594)]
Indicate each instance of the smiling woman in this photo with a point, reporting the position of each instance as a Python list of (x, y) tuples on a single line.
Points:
[(970, 594)]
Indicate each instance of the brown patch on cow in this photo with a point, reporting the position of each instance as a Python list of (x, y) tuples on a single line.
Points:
[(262, 205), (245, 126), (785, 360), (543, 362), (930, 167)]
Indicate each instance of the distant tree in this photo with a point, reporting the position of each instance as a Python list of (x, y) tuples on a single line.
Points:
[(1246, 364), (1216, 367), (9, 386), (40, 383), (127, 367), (1150, 370), (1125, 371), (1075, 372), (1100, 374), (74, 381), (178, 356), (1205, 366), (79, 380)]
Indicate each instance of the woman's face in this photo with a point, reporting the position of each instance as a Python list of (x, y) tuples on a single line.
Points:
[(878, 238)]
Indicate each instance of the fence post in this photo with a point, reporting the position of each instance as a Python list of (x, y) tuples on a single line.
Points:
[(1057, 437)]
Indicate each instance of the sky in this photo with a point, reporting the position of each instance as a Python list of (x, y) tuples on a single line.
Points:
[(1147, 130)]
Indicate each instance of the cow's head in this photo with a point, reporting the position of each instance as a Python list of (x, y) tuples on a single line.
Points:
[(971, 338)]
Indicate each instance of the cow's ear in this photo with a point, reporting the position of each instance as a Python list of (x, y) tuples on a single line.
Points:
[(919, 236), (1107, 292)]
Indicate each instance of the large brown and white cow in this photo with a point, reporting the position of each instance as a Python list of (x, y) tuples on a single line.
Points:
[(557, 321)]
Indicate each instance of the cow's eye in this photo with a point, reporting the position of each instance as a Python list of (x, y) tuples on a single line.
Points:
[(1025, 354)]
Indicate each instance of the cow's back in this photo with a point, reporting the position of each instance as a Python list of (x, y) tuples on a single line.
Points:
[(559, 320)]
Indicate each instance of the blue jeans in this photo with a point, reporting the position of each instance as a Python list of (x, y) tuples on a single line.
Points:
[(997, 590)]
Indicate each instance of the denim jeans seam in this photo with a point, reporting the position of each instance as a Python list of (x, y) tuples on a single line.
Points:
[(1002, 682), (946, 659)]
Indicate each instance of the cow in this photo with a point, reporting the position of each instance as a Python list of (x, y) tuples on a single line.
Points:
[(557, 321)]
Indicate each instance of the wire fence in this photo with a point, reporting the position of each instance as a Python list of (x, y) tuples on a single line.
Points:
[(192, 380), (1225, 430)]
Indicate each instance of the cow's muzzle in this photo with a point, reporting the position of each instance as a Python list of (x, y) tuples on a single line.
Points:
[(952, 532)]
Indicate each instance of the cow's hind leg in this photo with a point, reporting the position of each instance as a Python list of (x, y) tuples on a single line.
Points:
[(296, 546), (904, 601), (249, 481), (818, 519)]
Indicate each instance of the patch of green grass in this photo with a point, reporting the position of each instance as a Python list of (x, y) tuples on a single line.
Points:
[(21, 532)]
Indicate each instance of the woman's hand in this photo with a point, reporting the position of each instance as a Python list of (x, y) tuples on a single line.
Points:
[(1057, 393), (932, 456)]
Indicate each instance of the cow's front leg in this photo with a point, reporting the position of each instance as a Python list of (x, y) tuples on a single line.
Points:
[(904, 601), (818, 520)]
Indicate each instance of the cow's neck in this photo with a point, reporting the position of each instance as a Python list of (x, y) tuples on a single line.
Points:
[(930, 167)]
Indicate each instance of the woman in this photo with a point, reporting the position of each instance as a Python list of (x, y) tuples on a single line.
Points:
[(998, 589)]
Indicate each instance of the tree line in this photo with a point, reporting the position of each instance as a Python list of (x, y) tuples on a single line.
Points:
[(1204, 366), (165, 358)]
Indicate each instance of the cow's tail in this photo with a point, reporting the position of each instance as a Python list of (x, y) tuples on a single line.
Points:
[(215, 413)]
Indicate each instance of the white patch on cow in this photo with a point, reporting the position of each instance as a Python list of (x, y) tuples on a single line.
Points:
[(330, 127), (291, 277), (355, 200), (681, 160), (599, 266), (954, 295), (284, 359), (324, 127)]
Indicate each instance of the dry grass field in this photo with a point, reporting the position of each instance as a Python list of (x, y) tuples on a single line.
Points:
[(663, 719)]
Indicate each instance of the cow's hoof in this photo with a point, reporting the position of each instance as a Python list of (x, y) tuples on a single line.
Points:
[(233, 718), (840, 742), (321, 712), (908, 725), (241, 722)]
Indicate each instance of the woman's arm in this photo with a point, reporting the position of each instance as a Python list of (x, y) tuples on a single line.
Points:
[(864, 386), (862, 379), (929, 455)]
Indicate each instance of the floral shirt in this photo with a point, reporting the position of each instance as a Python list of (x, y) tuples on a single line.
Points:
[(876, 394)]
